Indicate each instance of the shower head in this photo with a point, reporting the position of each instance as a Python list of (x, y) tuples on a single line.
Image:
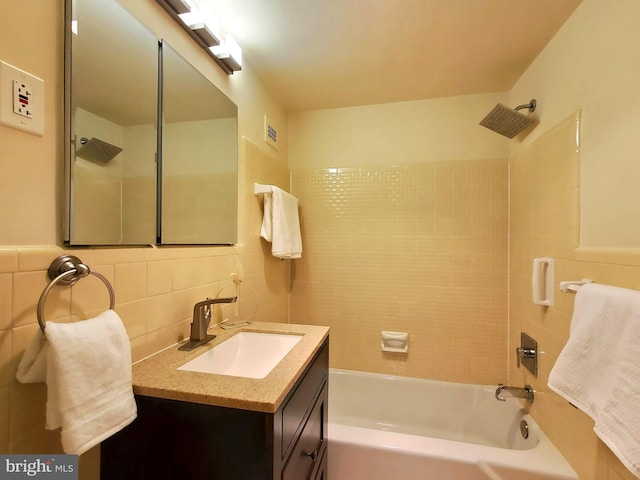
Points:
[(508, 122), (96, 150)]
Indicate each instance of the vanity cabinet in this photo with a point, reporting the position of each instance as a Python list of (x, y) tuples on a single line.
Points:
[(175, 439)]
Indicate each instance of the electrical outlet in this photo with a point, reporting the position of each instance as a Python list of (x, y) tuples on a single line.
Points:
[(21, 100)]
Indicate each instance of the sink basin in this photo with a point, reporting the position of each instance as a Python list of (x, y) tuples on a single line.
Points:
[(246, 354)]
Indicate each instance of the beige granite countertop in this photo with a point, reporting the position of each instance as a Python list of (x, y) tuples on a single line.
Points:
[(158, 375)]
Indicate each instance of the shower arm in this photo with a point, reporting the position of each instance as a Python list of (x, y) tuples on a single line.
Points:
[(531, 106)]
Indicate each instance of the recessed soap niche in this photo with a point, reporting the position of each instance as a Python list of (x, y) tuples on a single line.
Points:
[(397, 342)]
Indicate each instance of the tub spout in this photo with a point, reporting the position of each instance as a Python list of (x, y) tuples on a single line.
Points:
[(517, 392)]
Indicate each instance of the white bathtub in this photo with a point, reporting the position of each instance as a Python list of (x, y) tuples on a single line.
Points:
[(383, 427)]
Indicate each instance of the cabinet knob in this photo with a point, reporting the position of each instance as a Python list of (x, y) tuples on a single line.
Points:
[(313, 455)]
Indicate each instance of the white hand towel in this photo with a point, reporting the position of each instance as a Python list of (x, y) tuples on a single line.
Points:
[(88, 375), (266, 231), (33, 364), (598, 370), (281, 224)]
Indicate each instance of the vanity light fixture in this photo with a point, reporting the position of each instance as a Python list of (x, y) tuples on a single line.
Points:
[(202, 26), (229, 52), (179, 6), (207, 34)]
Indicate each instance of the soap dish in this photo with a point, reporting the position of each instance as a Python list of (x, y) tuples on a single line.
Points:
[(397, 342)]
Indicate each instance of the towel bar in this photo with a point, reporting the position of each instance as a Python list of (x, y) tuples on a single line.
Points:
[(67, 270), (259, 188), (572, 286)]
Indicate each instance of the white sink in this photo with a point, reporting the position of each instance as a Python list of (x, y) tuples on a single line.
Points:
[(246, 354)]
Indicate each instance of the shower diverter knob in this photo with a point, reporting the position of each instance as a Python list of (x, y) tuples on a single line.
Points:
[(525, 353)]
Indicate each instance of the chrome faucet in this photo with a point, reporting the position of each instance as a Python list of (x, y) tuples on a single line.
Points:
[(201, 319), (517, 392)]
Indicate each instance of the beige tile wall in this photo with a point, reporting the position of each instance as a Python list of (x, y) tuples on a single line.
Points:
[(199, 203), (139, 213), (95, 219), (544, 218), (155, 291), (419, 248), (112, 210)]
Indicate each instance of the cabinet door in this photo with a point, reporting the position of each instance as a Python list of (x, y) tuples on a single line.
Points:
[(309, 450), (299, 405), (321, 473)]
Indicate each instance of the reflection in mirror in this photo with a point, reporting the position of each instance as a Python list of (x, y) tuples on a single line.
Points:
[(112, 71), (199, 166)]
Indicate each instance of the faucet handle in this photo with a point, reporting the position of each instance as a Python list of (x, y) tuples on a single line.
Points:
[(207, 310), (522, 353)]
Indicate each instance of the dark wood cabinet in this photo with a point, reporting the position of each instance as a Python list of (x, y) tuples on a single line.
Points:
[(309, 447), (174, 439)]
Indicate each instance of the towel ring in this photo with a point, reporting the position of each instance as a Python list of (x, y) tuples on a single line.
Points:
[(67, 270)]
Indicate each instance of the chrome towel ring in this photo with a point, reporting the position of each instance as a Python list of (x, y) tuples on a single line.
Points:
[(67, 270)]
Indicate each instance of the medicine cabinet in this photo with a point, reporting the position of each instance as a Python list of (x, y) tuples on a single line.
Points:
[(151, 145)]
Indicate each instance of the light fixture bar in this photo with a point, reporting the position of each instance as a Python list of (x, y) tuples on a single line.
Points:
[(230, 53), (230, 62), (179, 6), (205, 34), (200, 30)]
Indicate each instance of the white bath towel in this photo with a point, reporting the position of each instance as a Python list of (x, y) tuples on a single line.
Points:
[(88, 375), (598, 370), (281, 224)]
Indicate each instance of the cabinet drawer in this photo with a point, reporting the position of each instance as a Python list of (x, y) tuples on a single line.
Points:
[(308, 452), (299, 404)]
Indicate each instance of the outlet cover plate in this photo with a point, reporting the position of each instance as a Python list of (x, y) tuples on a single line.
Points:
[(14, 85)]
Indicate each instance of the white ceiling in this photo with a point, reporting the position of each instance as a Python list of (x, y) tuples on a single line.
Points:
[(316, 54)]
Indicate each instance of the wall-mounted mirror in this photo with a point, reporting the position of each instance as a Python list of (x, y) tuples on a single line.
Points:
[(112, 76), (199, 181), (115, 175)]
